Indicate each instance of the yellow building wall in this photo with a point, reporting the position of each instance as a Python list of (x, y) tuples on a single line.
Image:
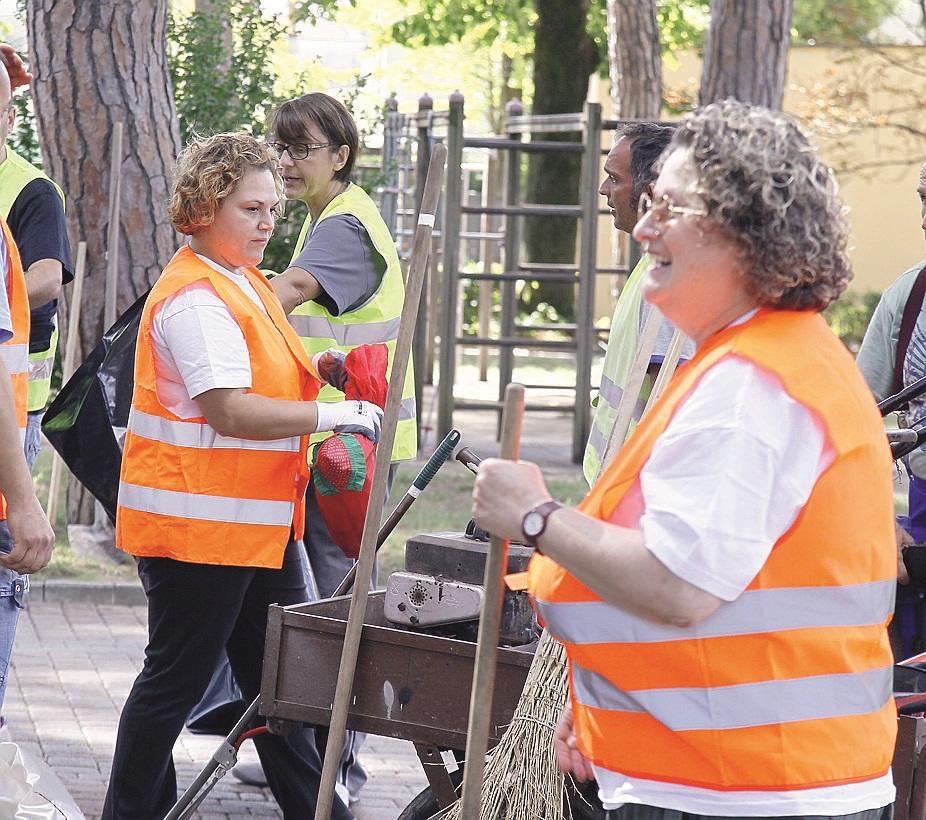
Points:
[(837, 95)]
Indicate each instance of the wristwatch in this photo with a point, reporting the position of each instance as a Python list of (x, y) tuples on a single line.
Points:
[(534, 522)]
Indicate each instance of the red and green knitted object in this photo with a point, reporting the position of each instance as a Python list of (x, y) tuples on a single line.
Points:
[(342, 465)]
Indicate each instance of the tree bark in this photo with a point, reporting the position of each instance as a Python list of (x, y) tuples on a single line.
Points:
[(634, 59), (746, 55), (564, 58), (96, 64)]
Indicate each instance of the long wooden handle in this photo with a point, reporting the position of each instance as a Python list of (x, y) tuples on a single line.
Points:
[(69, 365), (480, 703), (667, 368), (360, 593)]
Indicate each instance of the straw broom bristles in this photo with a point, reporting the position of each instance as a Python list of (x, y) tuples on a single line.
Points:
[(522, 779)]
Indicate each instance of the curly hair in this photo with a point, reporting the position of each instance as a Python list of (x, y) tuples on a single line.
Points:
[(208, 170), (761, 181)]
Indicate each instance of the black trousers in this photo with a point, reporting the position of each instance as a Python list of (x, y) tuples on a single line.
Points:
[(194, 612)]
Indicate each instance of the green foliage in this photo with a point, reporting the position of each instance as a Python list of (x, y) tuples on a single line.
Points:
[(839, 22), (216, 90), (23, 138), (850, 315), (683, 23)]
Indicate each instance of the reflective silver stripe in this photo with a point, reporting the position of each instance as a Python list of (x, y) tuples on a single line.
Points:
[(750, 704), (365, 333), (200, 436), (407, 409), (15, 357), (596, 439), (755, 611), (610, 392), (205, 507), (41, 370)]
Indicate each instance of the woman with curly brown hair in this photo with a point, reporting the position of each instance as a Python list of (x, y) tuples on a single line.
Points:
[(214, 472), (723, 590)]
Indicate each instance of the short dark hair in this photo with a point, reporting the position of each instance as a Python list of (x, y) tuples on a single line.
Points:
[(291, 122), (647, 142)]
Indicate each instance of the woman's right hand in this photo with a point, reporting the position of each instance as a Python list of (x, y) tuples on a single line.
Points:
[(362, 417), (568, 756)]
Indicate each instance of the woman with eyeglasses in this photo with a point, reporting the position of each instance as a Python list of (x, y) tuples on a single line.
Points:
[(214, 471), (723, 590), (344, 284)]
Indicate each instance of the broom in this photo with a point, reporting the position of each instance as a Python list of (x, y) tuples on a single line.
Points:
[(522, 779)]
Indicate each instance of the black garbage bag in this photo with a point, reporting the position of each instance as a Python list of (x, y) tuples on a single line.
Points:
[(86, 422)]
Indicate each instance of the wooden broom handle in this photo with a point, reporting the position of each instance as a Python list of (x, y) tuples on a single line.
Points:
[(480, 703), (361, 590)]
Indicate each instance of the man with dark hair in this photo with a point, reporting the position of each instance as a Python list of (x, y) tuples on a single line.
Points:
[(629, 171)]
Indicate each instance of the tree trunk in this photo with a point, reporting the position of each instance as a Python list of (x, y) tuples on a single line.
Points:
[(634, 59), (222, 13), (746, 54), (560, 87), (96, 64)]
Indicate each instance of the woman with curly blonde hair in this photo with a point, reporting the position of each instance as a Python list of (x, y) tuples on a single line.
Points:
[(214, 472), (724, 589)]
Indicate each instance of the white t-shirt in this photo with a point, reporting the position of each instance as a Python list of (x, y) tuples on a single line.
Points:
[(724, 482), (198, 345)]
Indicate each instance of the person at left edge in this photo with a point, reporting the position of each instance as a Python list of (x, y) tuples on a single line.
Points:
[(33, 207), (213, 474)]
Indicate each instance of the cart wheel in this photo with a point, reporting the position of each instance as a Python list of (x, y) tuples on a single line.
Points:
[(424, 806)]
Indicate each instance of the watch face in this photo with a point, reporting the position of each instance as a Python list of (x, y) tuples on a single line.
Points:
[(533, 524)]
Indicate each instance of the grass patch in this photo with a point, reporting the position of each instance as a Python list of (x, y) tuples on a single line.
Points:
[(446, 505)]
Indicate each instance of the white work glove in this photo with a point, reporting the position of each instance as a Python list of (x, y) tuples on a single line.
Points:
[(329, 367), (362, 417)]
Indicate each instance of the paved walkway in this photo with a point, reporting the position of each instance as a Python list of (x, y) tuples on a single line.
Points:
[(73, 667), (78, 652)]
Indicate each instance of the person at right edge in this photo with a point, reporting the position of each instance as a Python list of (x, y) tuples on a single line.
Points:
[(723, 591), (893, 356)]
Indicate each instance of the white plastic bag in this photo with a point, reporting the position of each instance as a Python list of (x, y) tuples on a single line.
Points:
[(29, 790)]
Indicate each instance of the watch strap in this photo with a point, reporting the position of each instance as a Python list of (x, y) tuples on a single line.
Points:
[(544, 510)]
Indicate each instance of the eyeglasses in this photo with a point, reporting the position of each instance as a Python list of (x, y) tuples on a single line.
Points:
[(663, 207), (298, 150)]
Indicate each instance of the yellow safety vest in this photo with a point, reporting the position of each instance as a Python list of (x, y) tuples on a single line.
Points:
[(622, 346), (15, 174), (374, 322)]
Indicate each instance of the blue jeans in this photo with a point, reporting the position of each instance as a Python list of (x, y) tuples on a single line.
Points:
[(33, 441), (13, 589)]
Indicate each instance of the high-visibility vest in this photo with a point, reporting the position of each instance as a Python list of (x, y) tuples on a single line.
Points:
[(375, 321), (789, 686), (188, 493), (15, 351), (618, 358), (15, 174)]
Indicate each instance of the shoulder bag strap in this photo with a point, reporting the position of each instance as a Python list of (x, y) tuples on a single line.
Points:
[(911, 313)]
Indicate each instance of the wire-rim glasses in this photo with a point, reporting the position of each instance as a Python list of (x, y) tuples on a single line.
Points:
[(663, 207)]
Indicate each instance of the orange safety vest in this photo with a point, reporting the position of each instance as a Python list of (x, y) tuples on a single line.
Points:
[(15, 351), (789, 686), (188, 493)]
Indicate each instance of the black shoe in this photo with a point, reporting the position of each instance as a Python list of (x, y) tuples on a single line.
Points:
[(251, 774)]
